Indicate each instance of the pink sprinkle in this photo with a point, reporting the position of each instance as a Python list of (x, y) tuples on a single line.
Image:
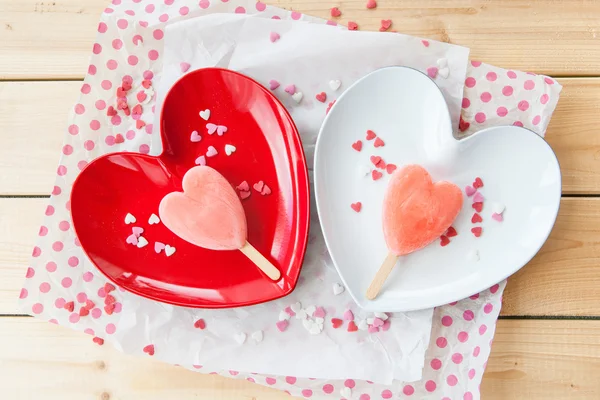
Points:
[(373, 329), (470, 190), (497, 217), (290, 312), (319, 312), (432, 72), (377, 322), (132, 239), (478, 198), (349, 315), (137, 231), (273, 84), (386, 325), (290, 89), (282, 325), (274, 37), (184, 67)]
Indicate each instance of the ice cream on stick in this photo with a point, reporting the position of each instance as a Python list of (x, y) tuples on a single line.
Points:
[(415, 213), (217, 221)]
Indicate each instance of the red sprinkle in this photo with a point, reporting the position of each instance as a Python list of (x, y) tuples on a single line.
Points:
[(121, 92), (463, 125), (379, 143), (322, 97), (127, 111), (352, 26), (444, 240), (137, 109), (146, 83), (336, 323), (126, 84), (111, 112), (478, 206), (70, 306), (352, 327), (478, 183), (476, 218), (376, 175), (335, 12), (119, 138), (390, 168), (371, 4), (149, 349), (357, 145), (385, 25), (109, 287), (329, 107), (139, 124), (84, 312), (89, 304), (200, 324), (109, 299), (451, 232), (98, 341), (109, 309), (371, 135), (477, 231), (356, 206), (381, 164), (375, 160)]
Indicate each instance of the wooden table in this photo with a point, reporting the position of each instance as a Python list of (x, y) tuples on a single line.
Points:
[(547, 343)]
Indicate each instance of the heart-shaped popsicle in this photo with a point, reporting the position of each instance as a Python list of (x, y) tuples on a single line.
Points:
[(415, 213), (209, 214)]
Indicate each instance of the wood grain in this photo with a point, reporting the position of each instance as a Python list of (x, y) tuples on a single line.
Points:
[(561, 280), (530, 359), (53, 39), (35, 113)]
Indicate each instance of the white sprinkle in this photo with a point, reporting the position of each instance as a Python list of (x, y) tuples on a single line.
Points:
[(283, 316), (315, 329), (442, 63), (205, 115), (338, 289), (296, 307), (381, 315), (297, 97), (258, 336), (240, 337), (320, 320), (153, 219), (444, 73), (363, 326), (335, 84), (310, 310), (473, 256), (230, 149), (130, 219), (363, 170), (141, 242), (301, 314), (498, 208), (346, 393), (308, 324), (370, 321), (201, 161), (169, 250)]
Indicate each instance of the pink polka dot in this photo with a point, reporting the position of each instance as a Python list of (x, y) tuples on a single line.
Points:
[(73, 261), (130, 135), (364, 396), (118, 307), (106, 84), (30, 271), (518, 123), (480, 117), (536, 120), (549, 81), (111, 328), (270, 381), (471, 373), (122, 23), (148, 74), (451, 380), (296, 15), (457, 358), (466, 102), (51, 266), (501, 111), (349, 383), (117, 44), (468, 396), (430, 386), (96, 313), (158, 34), (100, 104), (491, 76), (79, 109), (56, 191), (57, 246), (88, 276), (248, 379), (81, 164), (436, 364), (476, 351), (66, 282), (387, 394), (307, 393), (116, 120), (468, 315), (97, 48), (507, 90), (49, 210), (81, 297), (73, 129), (76, 241), (153, 55), (102, 27), (89, 331), (523, 105), (88, 145), (328, 389), (446, 320), (85, 88), (92, 70), (242, 10), (511, 74), (132, 60), (149, 128), (494, 288), (290, 379), (163, 18), (37, 308), (67, 149), (488, 308), (74, 318), (62, 170), (144, 149), (112, 64), (441, 342), (43, 231), (169, 2), (60, 302), (470, 82), (463, 336), (260, 6), (529, 84), (474, 297), (544, 99), (143, 24), (184, 11), (204, 4), (486, 97), (44, 287), (482, 329), (68, 205), (275, 17), (109, 140), (150, 8), (94, 124), (64, 226), (476, 63)]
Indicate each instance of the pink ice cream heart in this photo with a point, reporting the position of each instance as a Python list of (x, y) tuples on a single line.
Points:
[(211, 128), (221, 130), (470, 191), (244, 187), (478, 198), (208, 213), (497, 217), (291, 89), (137, 231), (195, 137), (184, 66), (132, 239), (319, 312), (273, 84), (158, 247)]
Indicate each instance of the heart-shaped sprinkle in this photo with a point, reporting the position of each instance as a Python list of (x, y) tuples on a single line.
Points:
[(290, 89), (98, 341), (153, 219), (211, 128), (463, 125), (390, 168), (477, 231), (137, 109), (69, 306), (352, 26), (357, 145), (297, 97), (205, 114), (266, 190), (375, 160), (200, 324), (444, 240), (127, 112), (132, 239), (121, 92), (498, 208), (356, 206), (109, 309), (273, 84), (478, 183), (109, 287), (310, 310), (221, 129), (111, 112), (122, 104), (230, 149), (335, 84), (211, 152), (258, 186), (478, 207), (240, 338), (442, 62), (362, 325), (139, 124), (376, 175), (337, 289), (158, 247), (319, 313), (169, 250), (386, 325), (301, 315), (282, 325), (349, 315), (346, 393), (110, 299), (130, 219), (371, 135), (381, 164), (322, 97), (146, 83), (245, 194), (476, 218), (141, 96), (381, 315), (473, 256), (352, 326), (149, 349), (200, 161), (470, 190), (141, 242), (84, 312), (497, 217), (451, 232), (379, 143), (432, 72), (371, 4), (89, 304), (363, 170), (373, 329), (119, 138), (444, 73), (274, 36), (295, 308), (184, 66), (315, 329), (478, 198), (331, 103), (336, 323), (425, 43), (258, 336), (243, 186), (284, 316), (137, 231), (335, 12), (385, 25)]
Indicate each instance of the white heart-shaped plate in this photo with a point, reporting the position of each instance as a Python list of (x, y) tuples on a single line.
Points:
[(407, 110)]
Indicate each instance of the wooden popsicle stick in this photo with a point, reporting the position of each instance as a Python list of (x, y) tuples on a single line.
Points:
[(261, 262), (381, 276)]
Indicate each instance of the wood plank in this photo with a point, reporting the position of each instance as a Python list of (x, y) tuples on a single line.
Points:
[(530, 359), (36, 113), (544, 36), (560, 280)]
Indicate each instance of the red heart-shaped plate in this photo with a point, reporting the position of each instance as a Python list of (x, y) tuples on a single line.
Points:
[(268, 149)]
